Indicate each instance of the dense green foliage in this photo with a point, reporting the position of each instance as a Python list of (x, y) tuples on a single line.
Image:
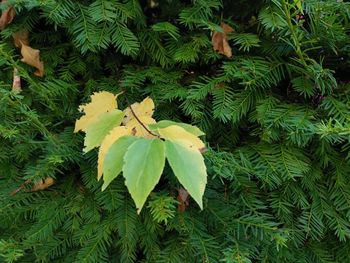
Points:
[(276, 118)]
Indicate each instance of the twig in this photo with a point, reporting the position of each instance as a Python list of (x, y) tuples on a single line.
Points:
[(137, 118), (142, 124), (16, 83), (22, 186)]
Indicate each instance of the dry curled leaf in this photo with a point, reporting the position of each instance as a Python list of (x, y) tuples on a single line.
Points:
[(21, 37), (220, 42), (183, 198), (16, 84), (43, 184), (31, 57), (6, 16)]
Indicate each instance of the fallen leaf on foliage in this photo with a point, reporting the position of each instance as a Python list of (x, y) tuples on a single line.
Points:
[(21, 37), (6, 16), (101, 102), (183, 198), (220, 42), (113, 136), (31, 57), (43, 184), (16, 84)]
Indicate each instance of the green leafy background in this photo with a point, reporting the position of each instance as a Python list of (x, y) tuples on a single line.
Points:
[(276, 118)]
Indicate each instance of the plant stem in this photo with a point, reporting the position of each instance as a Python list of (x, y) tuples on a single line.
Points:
[(142, 124), (137, 118), (292, 31)]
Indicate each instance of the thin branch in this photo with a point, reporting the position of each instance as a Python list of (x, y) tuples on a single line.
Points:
[(138, 120), (142, 124), (22, 186), (16, 84)]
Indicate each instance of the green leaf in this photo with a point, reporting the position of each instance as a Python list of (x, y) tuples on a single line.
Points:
[(97, 131), (144, 163), (165, 123), (189, 168), (114, 160)]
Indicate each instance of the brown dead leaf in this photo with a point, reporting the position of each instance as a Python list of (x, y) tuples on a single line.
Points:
[(227, 29), (220, 42), (16, 84), (183, 198), (43, 184), (31, 57), (21, 37), (6, 16)]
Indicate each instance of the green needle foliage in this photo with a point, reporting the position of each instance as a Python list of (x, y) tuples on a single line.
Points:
[(275, 117)]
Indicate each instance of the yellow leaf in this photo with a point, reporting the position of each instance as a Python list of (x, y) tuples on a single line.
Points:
[(143, 111), (179, 134), (144, 108), (101, 102), (107, 142), (137, 129), (31, 57)]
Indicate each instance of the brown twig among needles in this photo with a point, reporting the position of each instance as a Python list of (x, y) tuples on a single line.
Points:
[(22, 186)]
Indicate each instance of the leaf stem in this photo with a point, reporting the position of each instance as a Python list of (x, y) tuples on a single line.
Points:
[(142, 124), (138, 120), (294, 36)]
